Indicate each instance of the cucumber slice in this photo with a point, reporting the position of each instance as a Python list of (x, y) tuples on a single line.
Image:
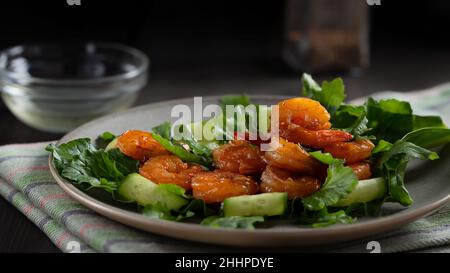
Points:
[(264, 204), (137, 188), (365, 191), (112, 144)]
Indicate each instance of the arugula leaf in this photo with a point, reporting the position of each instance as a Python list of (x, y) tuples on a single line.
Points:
[(197, 207), (372, 208), (339, 183), (427, 121), (428, 137), (104, 139), (393, 164), (352, 119), (199, 148), (330, 95), (234, 100), (159, 211), (240, 103), (409, 149), (125, 164), (107, 136), (310, 86), (393, 158), (325, 158), (333, 94), (79, 161), (181, 152), (323, 218), (236, 222), (389, 119), (386, 119), (163, 130), (382, 146)]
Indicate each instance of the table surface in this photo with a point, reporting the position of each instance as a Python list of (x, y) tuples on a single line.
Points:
[(391, 69)]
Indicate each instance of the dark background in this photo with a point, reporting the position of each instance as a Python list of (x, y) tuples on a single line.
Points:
[(216, 47)]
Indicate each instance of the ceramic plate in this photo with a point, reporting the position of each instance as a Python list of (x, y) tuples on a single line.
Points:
[(427, 183)]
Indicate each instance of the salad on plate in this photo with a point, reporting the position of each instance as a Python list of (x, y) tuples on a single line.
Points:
[(333, 162)]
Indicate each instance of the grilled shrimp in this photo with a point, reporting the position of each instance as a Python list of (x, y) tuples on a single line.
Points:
[(362, 170), (277, 180), (214, 187), (307, 113), (310, 138), (169, 169), (140, 145), (292, 157), (307, 122), (239, 156), (352, 152)]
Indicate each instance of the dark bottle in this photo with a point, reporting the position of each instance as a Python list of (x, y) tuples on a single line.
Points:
[(326, 35)]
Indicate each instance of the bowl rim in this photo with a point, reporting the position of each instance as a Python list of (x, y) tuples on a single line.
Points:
[(20, 77)]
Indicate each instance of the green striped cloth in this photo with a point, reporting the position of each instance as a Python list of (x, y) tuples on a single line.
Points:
[(26, 182)]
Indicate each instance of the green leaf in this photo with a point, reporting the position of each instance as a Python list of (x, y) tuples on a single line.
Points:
[(333, 94), (428, 137), (323, 218), (197, 207), (339, 183), (107, 136), (104, 139), (409, 149), (101, 165), (352, 119), (125, 164), (235, 222), (382, 146), (325, 158), (393, 164), (369, 209), (240, 103), (310, 86), (330, 95), (389, 119), (174, 189), (234, 100), (181, 152), (67, 152), (163, 130), (200, 148), (160, 211), (427, 121), (79, 161)]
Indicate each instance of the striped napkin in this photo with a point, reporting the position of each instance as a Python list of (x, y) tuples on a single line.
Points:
[(26, 182)]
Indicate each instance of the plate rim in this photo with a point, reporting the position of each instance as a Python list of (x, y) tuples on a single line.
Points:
[(327, 235)]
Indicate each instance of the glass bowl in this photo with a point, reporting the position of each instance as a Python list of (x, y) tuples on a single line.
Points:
[(56, 88)]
